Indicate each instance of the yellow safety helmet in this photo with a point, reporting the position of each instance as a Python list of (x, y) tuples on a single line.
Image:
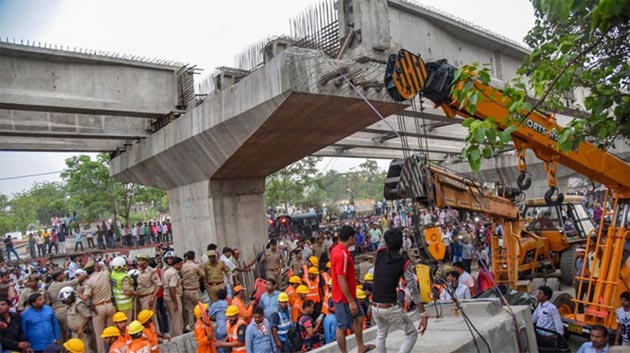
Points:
[(119, 316), (135, 327), (328, 264), (283, 297), (329, 282), (145, 315), (359, 286), (110, 331), (313, 271), (360, 294), (231, 310), (197, 310), (368, 276), (295, 279), (314, 260), (302, 289), (74, 345)]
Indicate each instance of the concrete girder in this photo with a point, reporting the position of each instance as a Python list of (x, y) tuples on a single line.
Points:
[(344, 152), (40, 79), (55, 144), (408, 128), (365, 140), (66, 125)]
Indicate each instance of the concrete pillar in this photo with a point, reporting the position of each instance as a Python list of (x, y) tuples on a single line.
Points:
[(225, 212), (540, 186), (369, 20)]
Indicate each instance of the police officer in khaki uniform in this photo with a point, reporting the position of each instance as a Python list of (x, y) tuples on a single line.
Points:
[(274, 261), (99, 291), (79, 317), (215, 271), (191, 274), (173, 297), (31, 286), (59, 307), (149, 284)]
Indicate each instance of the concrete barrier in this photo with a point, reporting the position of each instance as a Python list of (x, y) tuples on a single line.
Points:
[(448, 334)]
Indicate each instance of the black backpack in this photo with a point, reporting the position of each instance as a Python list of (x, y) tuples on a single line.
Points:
[(295, 335)]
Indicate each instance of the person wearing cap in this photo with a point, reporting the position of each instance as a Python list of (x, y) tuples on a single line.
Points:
[(58, 277), (113, 339), (215, 271), (368, 278), (296, 309), (120, 320), (74, 345), (79, 315), (274, 261), (146, 319), (391, 264), (297, 263), (192, 274), (236, 328), (365, 306), (312, 282), (149, 284), (99, 293), (294, 282), (138, 343), (39, 324), (203, 330), (281, 323), (244, 311), (31, 286), (312, 262), (173, 297), (122, 286)]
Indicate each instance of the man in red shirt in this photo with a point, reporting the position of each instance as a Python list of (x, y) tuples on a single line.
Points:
[(348, 311)]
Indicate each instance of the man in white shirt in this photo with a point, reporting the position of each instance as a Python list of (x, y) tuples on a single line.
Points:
[(465, 278), (454, 286), (546, 316), (375, 236), (623, 321)]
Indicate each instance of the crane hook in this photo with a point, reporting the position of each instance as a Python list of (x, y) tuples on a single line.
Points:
[(551, 200), (524, 181)]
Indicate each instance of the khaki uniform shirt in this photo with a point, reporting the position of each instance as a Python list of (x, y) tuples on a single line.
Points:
[(214, 273), (296, 266), (191, 273), (273, 259), (318, 250), (148, 280), (171, 279), (22, 303), (77, 313), (98, 287), (55, 288)]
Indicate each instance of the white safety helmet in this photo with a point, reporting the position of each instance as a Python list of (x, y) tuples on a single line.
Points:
[(79, 272), (118, 263), (65, 293), (133, 273), (169, 254)]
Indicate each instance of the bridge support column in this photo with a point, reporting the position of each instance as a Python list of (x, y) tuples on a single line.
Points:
[(540, 186), (225, 212)]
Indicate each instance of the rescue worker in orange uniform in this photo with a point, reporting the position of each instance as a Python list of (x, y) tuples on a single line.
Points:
[(146, 319), (294, 282), (312, 262), (120, 322), (235, 331), (314, 290), (327, 297), (244, 311), (113, 339), (138, 344), (326, 274), (296, 309), (204, 331)]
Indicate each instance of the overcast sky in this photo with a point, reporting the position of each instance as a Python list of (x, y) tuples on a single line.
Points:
[(206, 33)]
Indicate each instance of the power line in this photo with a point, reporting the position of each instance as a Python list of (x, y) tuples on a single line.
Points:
[(29, 175)]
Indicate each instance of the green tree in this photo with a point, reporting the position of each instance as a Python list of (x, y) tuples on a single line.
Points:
[(577, 43), (95, 194), (291, 183)]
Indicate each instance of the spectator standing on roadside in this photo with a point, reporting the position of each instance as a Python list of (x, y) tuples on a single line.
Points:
[(32, 245), (8, 244), (78, 239), (41, 244)]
